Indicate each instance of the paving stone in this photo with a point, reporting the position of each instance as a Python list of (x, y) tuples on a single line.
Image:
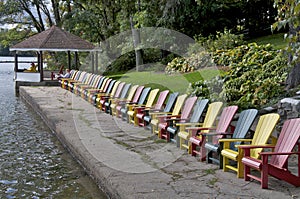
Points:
[(128, 162)]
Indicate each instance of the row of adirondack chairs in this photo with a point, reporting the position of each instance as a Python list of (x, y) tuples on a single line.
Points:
[(210, 131)]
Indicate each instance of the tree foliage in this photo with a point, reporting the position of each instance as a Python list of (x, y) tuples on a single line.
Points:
[(289, 15)]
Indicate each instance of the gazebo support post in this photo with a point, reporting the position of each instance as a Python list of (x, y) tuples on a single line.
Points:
[(40, 65), (16, 62), (93, 61), (96, 60), (69, 59), (76, 60)]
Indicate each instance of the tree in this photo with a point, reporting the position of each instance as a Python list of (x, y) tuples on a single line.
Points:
[(289, 15)]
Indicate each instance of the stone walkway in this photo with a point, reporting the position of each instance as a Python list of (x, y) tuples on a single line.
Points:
[(130, 162)]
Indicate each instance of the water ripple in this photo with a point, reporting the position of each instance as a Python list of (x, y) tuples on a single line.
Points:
[(32, 161)]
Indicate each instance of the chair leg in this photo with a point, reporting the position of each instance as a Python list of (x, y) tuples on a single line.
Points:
[(202, 148), (177, 140), (225, 162), (193, 148), (246, 172), (220, 160), (180, 143), (190, 147), (240, 167), (264, 172), (209, 156)]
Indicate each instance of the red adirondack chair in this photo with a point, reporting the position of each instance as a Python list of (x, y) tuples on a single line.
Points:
[(158, 106), (198, 141), (164, 121), (278, 164)]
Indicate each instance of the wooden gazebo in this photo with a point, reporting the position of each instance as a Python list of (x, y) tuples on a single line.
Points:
[(53, 39)]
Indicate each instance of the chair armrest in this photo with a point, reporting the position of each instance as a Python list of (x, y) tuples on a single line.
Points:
[(189, 124), (199, 128), (217, 133), (264, 146), (155, 110), (172, 117), (167, 116), (131, 103), (235, 140), (279, 153), (160, 113)]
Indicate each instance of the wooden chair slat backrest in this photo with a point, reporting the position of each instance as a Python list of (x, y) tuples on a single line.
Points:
[(198, 110), (263, 131), (161, 99), (288, 138), (243, 125), (151, 98), (179, 103), (187, 108)]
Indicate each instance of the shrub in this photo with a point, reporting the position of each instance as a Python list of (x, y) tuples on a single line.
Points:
[(179, 64), (255, 85)]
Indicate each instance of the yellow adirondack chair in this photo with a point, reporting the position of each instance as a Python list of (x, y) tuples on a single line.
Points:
[(101, 94), (114, 102), (184, 133), (70, 83), (262, 134), (131, 113), (91, 93), (176, 110), (74, 75)]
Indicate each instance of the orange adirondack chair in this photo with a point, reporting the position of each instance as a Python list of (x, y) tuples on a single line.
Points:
[(166, 120), (140, 111), (198, 141), (263, 131), (278, 165)]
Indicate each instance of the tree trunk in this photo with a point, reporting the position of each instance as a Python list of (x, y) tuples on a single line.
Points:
[(136, 41), (293, 78)]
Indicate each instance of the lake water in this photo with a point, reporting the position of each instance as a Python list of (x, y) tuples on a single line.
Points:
[(33, 162)]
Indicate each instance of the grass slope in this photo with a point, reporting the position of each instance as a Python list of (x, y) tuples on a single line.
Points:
[(174, 83)]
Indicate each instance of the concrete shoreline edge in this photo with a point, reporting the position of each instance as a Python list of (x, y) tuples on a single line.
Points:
[(81, 159), (129, 162)]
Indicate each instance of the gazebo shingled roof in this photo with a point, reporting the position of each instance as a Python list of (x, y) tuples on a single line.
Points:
[(53, 39)]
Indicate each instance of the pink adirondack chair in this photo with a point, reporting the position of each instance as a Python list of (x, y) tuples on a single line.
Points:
[(278, 164), (198, 141), (164, 121), (122, 103), (158, 106), (103, 99)]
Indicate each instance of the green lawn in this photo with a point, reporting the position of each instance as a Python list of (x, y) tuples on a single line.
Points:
[(180, 82), (276, 39), (174, 83)]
